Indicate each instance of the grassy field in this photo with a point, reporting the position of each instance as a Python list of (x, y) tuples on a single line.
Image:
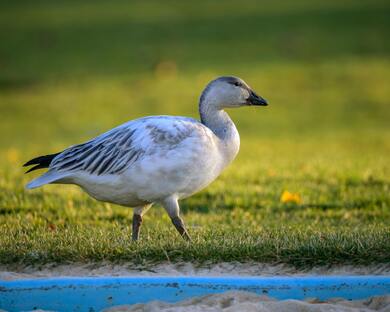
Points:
[(70, 70)]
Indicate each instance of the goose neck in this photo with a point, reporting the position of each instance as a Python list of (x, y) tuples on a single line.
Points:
[(217, 120)]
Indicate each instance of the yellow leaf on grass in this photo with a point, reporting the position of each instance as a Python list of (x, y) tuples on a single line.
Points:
[(288, 197)]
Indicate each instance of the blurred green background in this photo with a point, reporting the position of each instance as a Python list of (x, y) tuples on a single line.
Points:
[(70, 70)]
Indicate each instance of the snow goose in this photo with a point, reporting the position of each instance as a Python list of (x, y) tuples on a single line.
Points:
[(155, 159)]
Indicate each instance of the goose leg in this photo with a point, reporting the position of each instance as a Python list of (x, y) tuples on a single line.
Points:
[(137, 220), (171, 205), (180, 227)]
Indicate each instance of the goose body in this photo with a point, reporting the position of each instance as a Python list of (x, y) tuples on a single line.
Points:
[(155, 159), (144, 161)]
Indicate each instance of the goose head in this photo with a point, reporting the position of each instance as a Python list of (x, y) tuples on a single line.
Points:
[(230, 92)]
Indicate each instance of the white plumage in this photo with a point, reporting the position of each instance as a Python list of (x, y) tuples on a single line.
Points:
[(155, 159)]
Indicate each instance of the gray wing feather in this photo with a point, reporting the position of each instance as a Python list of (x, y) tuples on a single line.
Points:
[(111, 153), (116, 150)]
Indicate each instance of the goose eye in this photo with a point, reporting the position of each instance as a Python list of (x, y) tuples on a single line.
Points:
[(238, 84)]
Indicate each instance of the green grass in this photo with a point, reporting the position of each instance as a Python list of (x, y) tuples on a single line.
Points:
[(71, 70)]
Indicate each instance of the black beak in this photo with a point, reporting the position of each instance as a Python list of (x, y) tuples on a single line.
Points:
[(254, 99)]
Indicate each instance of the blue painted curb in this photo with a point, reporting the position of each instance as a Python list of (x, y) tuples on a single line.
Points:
[(96, 293)]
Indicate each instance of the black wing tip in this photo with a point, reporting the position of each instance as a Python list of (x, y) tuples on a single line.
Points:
[(29, 163), (40, 162), (35, 161)]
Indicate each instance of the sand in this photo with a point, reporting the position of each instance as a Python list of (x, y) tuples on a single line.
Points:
[(182, 269), (247, 302)]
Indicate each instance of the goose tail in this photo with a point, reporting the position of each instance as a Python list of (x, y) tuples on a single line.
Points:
[(48, 177)]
